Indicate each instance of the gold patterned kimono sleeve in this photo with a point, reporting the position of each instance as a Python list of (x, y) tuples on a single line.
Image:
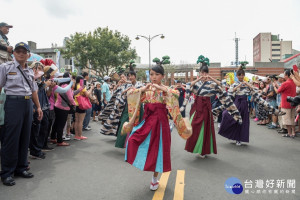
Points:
[(183, 125)]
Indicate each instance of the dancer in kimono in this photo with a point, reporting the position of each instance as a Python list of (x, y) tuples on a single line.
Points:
[(262, 114), (149, 145), (203, 140), (120, 142), (240, 91), (111, 114)]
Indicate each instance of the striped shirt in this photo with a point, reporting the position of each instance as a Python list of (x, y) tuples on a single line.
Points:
[(209, 89), (244, 90)]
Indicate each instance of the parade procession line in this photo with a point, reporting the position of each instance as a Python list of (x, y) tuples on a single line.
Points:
[(179, 186)]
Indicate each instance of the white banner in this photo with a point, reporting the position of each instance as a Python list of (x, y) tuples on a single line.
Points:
[(73, 66), (57, 59)]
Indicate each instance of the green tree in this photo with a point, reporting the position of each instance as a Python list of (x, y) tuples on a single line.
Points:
[(103, 49)]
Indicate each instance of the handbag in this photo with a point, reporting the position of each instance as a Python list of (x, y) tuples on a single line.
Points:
[(72, 107), (84, 102)]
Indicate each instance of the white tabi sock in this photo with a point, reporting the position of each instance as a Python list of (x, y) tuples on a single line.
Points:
[(154, 179)]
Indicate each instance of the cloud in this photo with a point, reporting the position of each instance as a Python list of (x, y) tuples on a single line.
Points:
[(61, 9)]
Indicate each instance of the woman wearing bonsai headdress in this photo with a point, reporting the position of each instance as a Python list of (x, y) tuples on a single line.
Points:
[(120, 142), (203, 141), (239, 91), (148, 146), (112, 113)]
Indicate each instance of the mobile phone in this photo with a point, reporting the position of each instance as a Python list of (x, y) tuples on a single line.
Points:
[(84, 82), (295, 68), (81, 82)]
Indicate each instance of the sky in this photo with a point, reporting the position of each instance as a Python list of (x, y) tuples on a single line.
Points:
[(191, 27)]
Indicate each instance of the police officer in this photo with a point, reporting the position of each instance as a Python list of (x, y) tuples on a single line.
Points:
[(17, 79), (5, 48)]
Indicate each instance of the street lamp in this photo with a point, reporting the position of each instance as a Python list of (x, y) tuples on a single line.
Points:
[(149, 39)]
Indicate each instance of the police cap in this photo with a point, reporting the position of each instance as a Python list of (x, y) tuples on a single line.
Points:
[(22, 45)]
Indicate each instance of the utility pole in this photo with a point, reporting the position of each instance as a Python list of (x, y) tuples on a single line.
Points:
[(149, 40), (236, 50)]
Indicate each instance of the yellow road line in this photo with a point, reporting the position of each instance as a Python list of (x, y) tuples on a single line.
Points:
[(179, 186), (160, 192)]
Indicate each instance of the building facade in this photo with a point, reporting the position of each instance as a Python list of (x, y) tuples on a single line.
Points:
[(269, 48), (51, 53)]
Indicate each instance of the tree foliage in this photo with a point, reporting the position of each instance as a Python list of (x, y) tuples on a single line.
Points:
[(103, 49)]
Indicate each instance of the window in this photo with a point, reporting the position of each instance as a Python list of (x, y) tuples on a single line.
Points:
[(275, 55), (275, 60), (275, 49), (275, 45), (48, 56)]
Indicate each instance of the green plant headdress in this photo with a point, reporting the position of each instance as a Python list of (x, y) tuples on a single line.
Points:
[(131, 65), (202, 59), (120, 70), (243, 64), (165, 60)]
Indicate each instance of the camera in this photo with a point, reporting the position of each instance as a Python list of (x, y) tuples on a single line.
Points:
[(294, 101), (89, 85), (41, 83), (272, 76)]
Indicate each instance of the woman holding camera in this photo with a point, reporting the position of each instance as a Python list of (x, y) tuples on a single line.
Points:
[(62, 109), (288, 89), (80, 114)]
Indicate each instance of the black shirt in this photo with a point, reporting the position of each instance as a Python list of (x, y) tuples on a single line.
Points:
[(181, 92), (97, 93)]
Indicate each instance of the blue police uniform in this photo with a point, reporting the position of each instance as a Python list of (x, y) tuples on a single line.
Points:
[(18, 117)]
